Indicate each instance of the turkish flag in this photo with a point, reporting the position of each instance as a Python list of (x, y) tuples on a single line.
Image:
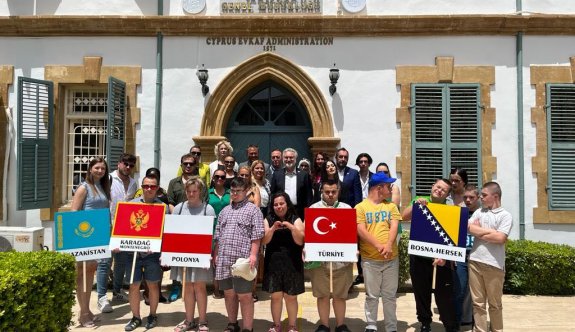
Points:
[(326, 225), (139, 220), (330, 235)]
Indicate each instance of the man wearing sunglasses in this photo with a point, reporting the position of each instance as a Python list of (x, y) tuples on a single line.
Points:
[(176, 188), (203, 169), (123, 190), (147, 266)]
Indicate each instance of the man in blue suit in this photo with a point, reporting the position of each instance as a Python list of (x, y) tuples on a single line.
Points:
[(349, 179)]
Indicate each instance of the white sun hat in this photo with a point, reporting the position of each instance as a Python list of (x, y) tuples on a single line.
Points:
[(241, 268)]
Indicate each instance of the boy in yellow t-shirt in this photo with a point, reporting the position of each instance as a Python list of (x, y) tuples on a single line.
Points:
[(377, 223)]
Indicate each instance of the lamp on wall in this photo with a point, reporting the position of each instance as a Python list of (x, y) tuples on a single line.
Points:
[(203, 76), (333, 77)]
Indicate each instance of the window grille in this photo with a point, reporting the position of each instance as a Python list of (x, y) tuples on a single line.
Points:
[(86, 117)]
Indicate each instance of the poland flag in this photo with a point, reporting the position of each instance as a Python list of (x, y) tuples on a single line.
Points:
[(330, 235), (187, 241)]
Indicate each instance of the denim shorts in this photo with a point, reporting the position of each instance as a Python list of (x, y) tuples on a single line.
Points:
[(147, 266)]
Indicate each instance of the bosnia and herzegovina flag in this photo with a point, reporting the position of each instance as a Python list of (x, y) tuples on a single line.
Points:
[(138, 227), (84, 234), (438, 231), (187, 241)]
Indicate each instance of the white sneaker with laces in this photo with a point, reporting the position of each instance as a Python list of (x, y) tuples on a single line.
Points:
[(104, 305)]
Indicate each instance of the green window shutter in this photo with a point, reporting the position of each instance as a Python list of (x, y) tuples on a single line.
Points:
[(35, 132), (464, 121), (428, 148), (561, 146), (116, 124), (446, 122)]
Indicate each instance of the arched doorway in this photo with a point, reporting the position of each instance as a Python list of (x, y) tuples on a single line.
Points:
[(270, 117), (253, 73)]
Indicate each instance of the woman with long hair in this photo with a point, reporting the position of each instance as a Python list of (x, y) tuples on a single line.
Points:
[(458, 178), (328, 172), (93, 193), (319, 159), (259, 178), (196, 278), (283, 264), (253, 192), (218, 198)]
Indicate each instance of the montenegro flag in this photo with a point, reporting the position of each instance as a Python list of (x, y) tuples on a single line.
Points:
[(139, 220)]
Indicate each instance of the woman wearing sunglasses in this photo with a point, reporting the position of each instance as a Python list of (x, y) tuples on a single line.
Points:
[(218, 198)]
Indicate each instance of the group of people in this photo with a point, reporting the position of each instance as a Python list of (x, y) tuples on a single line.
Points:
[(259, 208)]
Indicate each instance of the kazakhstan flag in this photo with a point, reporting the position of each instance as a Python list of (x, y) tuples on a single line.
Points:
[(84, 234)]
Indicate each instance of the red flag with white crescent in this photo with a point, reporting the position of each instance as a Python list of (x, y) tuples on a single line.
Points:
[(331, 234)]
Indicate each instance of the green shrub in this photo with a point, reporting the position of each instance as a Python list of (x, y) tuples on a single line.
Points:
[(36, 291), (539, 268), (403, 259)]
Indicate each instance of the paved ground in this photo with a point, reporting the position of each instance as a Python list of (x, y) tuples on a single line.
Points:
[(521, 313)]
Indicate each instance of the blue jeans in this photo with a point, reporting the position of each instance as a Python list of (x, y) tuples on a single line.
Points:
[(461, 293), (102, 276), (120, 265)]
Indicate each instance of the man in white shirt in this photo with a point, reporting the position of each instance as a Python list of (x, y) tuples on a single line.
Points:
[(342, 271), (123, 189), (490, 226)]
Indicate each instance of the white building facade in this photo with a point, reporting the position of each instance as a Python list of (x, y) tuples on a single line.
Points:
[(424, 86)]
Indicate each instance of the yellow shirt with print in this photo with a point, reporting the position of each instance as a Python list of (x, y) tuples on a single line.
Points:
[(377, 219)]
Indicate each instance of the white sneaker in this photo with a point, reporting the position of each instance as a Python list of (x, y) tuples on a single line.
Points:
[(122, 296), (104, 305)]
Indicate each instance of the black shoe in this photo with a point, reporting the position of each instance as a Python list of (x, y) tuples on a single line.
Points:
[(322, 328), (358, 280), (152, 322), (425, 328), (342, 328), (134, 323), (233, 327)]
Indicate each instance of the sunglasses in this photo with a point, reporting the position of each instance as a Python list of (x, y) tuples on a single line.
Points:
[(219, 177), (130, 165), (188, 164), (197, 154), (227, 162), (149, 187)]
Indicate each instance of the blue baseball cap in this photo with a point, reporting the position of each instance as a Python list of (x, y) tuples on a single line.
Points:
[(379, 178)]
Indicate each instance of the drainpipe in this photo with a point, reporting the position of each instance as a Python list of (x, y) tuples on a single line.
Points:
[(520, 144), (159, 79)]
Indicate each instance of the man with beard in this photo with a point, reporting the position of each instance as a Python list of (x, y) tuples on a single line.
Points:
[(349, 179), (295, 183)]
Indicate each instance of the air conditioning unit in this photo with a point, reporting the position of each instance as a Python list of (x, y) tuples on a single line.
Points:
[(21, 238)]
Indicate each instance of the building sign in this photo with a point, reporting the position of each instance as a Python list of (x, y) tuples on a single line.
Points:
[(269, 44), (281, 7)]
